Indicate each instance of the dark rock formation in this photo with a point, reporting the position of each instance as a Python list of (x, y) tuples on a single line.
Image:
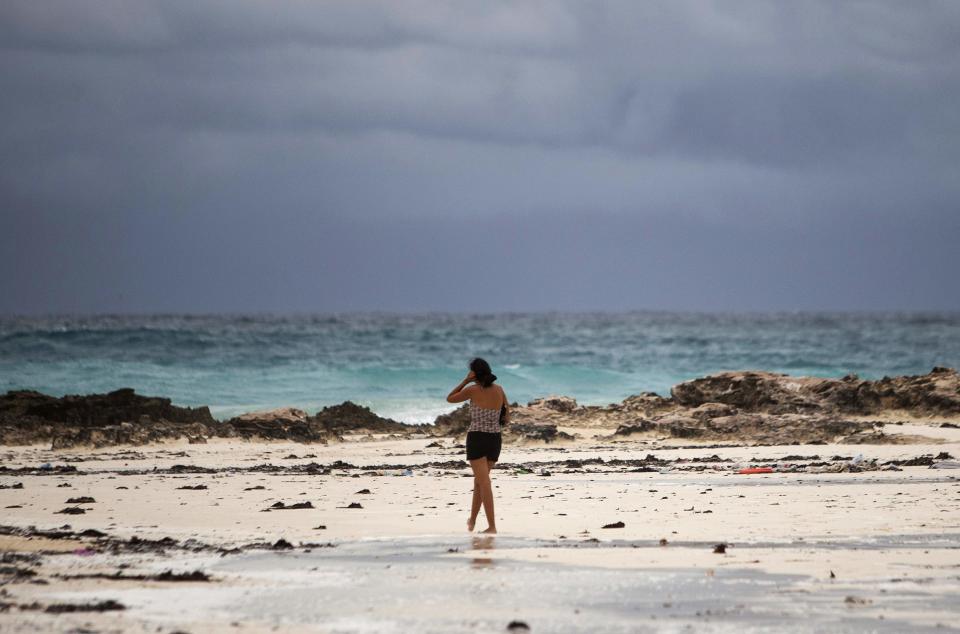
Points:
[(680, 426), (635, 427), (453, 424), (349, 416), (120, 417), (96, 410), (749, 391), (758, 407), (930, 394), (936, 393), (646, 402), (534, 431)]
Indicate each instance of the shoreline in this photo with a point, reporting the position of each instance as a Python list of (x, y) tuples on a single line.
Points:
[(747, 406), (616, 519)]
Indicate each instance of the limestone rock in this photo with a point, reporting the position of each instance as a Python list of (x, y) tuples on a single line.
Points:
[(711, 410), (563, 404), (349, 416), (636, 427), (647, 402), (935, 393), (453, 424), (749, 391), (680, 426), (278, 424), (544, 432), (282, 415)]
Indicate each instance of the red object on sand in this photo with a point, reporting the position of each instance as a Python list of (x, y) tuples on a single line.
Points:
[(755, 470)]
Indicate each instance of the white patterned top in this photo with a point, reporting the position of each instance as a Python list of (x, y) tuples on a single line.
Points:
[(484, 419)]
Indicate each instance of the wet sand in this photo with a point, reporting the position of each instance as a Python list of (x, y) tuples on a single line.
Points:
[(403, 561)]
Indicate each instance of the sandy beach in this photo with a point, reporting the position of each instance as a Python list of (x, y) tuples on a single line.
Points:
[(381, 545)]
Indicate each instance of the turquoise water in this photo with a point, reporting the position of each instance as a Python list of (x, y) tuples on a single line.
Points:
[(402, 366)]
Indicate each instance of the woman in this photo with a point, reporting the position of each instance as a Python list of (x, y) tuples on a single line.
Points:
[(483, 435)]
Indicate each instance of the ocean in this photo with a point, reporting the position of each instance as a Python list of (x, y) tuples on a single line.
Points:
[(402, 366)]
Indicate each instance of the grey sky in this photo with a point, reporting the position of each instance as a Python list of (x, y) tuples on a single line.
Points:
[(205, 156)]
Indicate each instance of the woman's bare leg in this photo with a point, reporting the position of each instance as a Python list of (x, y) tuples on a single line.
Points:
[(475, 506), (479, 472), (481, 482), (488, 503)]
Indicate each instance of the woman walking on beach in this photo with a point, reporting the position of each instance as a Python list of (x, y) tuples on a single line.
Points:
[(487, 404)]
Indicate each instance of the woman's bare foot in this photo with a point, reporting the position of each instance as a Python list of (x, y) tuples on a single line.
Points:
[(491, 531), (471, 524)]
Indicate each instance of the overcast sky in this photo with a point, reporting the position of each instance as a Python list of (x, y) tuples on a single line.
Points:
[(202, 156)]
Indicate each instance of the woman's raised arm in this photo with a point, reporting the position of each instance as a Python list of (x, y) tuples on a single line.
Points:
[(461, 393)]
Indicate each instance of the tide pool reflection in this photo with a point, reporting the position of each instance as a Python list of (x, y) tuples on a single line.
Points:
[(482, 543)]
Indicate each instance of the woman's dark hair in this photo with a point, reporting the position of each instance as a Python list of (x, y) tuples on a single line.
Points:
[(481, 369)]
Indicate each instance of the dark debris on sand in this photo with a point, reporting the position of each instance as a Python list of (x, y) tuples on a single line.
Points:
[(280, 506), (102, 606), (166, 576)]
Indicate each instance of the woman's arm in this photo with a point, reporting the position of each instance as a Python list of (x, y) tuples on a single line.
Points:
[(461, 392), (506, 405)]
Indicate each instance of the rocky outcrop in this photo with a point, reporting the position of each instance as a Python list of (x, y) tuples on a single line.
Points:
[(563, 404), (328, 424), (96, 409), (749, 391), (286, 423), (636, 427), (750, 407), (143, 432), (535, 432), (453, 424), (349, 416), (936, 393), (646, 402), (119, 417), (765, 408)]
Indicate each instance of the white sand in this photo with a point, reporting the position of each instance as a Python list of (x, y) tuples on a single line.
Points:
[(868, 528)]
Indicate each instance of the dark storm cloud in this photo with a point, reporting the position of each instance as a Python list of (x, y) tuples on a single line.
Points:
[(323, 156)]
